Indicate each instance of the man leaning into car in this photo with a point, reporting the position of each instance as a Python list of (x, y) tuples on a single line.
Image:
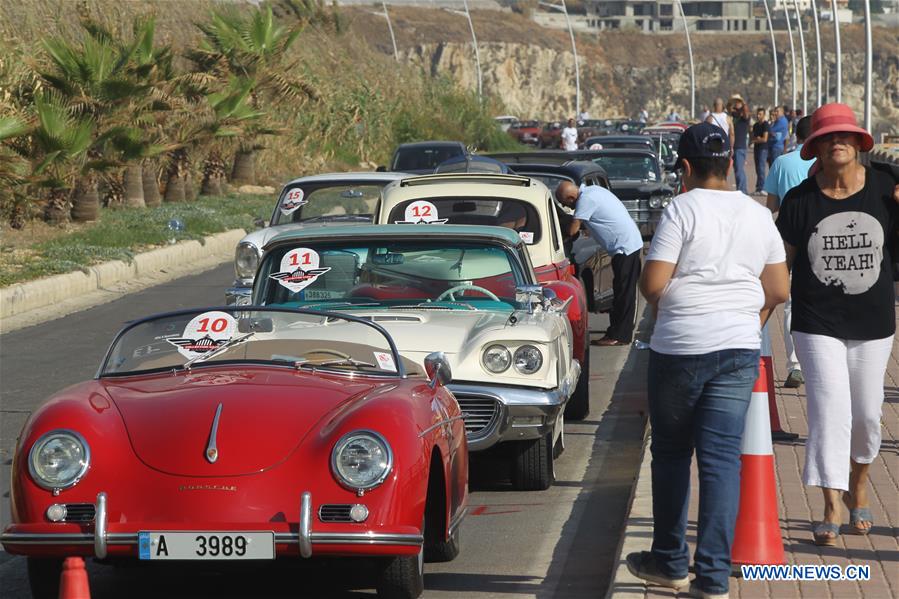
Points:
[(612, 227)]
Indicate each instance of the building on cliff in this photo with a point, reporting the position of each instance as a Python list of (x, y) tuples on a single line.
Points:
[(652, 16)]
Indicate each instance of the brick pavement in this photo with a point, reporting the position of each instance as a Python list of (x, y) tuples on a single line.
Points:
[(797, 507)]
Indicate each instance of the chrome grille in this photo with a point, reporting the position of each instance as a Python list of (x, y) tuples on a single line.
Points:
[(80, 512), (335, 512), (479, 414)]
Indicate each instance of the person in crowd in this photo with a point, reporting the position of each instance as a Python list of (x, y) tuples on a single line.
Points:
[(719, 117), (569, 137), (739, 119), (777, 134), (760, 147), (839, 228), (643, 115), (583, 116), (673, 116), (704, 113), (714, 272), (610, 224), (787, 172)]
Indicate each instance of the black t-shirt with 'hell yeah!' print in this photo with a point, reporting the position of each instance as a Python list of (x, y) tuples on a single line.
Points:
[(842, 274)]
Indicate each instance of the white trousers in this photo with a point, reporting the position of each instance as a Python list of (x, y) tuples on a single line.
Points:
[(844, 386), (792, 360)]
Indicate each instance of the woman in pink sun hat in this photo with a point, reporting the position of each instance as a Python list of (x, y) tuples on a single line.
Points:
[(840, 231)]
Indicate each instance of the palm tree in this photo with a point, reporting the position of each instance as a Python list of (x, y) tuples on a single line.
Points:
[(254, 48), (59, 143), (13, 171)]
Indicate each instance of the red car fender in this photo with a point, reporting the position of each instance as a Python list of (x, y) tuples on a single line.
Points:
[(577, 313)]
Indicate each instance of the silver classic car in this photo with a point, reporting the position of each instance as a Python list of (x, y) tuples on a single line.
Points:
[(344, 198), (467, 291)]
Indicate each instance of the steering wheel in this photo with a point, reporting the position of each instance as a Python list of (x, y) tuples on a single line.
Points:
[(452, 290)]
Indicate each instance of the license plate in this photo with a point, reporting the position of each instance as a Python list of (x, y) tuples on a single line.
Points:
[(202, 545)]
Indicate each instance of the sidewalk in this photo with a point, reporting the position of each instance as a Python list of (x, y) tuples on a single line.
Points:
[(797, 507)]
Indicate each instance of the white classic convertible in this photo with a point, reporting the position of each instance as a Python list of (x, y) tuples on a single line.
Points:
[(467, 291)]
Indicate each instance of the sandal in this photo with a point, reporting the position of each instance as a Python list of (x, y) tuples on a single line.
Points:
[(823, 532), (856, 517)]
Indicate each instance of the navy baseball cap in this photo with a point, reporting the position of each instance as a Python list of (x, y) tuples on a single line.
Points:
[(703, 140)]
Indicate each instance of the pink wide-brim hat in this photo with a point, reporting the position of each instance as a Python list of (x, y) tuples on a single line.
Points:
[(832, 118)]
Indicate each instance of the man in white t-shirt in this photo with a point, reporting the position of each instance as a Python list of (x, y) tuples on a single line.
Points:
[(569, 137), (714, 272)]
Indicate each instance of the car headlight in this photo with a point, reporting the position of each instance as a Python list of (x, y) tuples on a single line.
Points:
[(246, 260), (528, 359), (497, 358), (361, 460), (665, 201), (59, 459), (655, 202)]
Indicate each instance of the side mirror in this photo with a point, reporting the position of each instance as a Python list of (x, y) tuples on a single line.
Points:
[(671, 178), (437, 369), (527, 295), (552, 301), (381, 169)]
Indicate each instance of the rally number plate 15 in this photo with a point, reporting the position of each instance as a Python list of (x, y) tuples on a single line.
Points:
[(204, 545)]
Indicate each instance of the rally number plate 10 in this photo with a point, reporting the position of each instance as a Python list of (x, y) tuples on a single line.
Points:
[(203, 545)]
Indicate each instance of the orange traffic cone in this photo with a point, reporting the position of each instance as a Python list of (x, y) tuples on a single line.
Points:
[(777, 433), (73, 580), (757, 536)]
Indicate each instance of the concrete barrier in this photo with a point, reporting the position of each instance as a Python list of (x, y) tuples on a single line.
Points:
[(33, 295)]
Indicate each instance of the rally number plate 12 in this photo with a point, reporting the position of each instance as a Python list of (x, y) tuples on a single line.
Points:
[(204, 545)]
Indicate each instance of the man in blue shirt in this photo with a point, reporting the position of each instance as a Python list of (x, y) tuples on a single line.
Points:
[(777, 135), (610, 224), (787, 172)]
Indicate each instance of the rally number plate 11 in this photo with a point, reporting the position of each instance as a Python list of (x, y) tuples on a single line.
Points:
[(204, 545)]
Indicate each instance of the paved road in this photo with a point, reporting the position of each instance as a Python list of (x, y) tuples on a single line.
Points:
[(557, 543)]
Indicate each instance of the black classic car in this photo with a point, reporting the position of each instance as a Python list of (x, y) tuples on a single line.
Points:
[(422, 157), (637, 180)]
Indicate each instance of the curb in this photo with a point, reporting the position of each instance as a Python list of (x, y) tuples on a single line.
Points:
[(18, 299)]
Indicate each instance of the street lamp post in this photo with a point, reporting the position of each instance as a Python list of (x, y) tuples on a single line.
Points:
[(474, 43), (836, 48), (869, 55), (773, 51), (692, 70), (804, 63), (577, 70), (396, 54), (818, 95), (792, 51)]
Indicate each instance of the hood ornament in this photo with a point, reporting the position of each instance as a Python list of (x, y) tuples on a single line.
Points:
[(212, 452)]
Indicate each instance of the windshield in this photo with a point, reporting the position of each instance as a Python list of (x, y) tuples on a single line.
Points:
[(630, 167), (494, 212), (380, 273), (345, 202), (423, 158), (551, 181), (193, 338)]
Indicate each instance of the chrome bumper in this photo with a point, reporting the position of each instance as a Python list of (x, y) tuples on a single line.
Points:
[(305, 538), (523, 414)]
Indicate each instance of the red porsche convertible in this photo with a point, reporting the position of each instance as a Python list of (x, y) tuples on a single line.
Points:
[(208, 435)]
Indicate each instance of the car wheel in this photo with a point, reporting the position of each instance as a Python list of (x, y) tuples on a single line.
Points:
[(403, 577), (532, 468), (445, 551), (578, 405), (43, 577)]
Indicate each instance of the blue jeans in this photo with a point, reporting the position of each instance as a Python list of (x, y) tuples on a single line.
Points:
[(775, 150), (740, 169), (761, 164), (698, 401)]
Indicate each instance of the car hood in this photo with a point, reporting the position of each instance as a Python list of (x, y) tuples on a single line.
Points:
[(448, 331), (632, 189), (265, 415)]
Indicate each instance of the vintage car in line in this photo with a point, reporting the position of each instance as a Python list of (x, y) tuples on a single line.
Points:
[(638, 181), (345, 198), (421, 157), (593, 264), (523, 204), (231, 434), (551, 135), (469, 291), (526, 132)]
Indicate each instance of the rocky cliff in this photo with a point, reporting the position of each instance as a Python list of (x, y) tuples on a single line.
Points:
[(531, 69)]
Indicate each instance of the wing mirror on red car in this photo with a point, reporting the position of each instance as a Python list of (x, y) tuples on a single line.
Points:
[(437, 369)]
